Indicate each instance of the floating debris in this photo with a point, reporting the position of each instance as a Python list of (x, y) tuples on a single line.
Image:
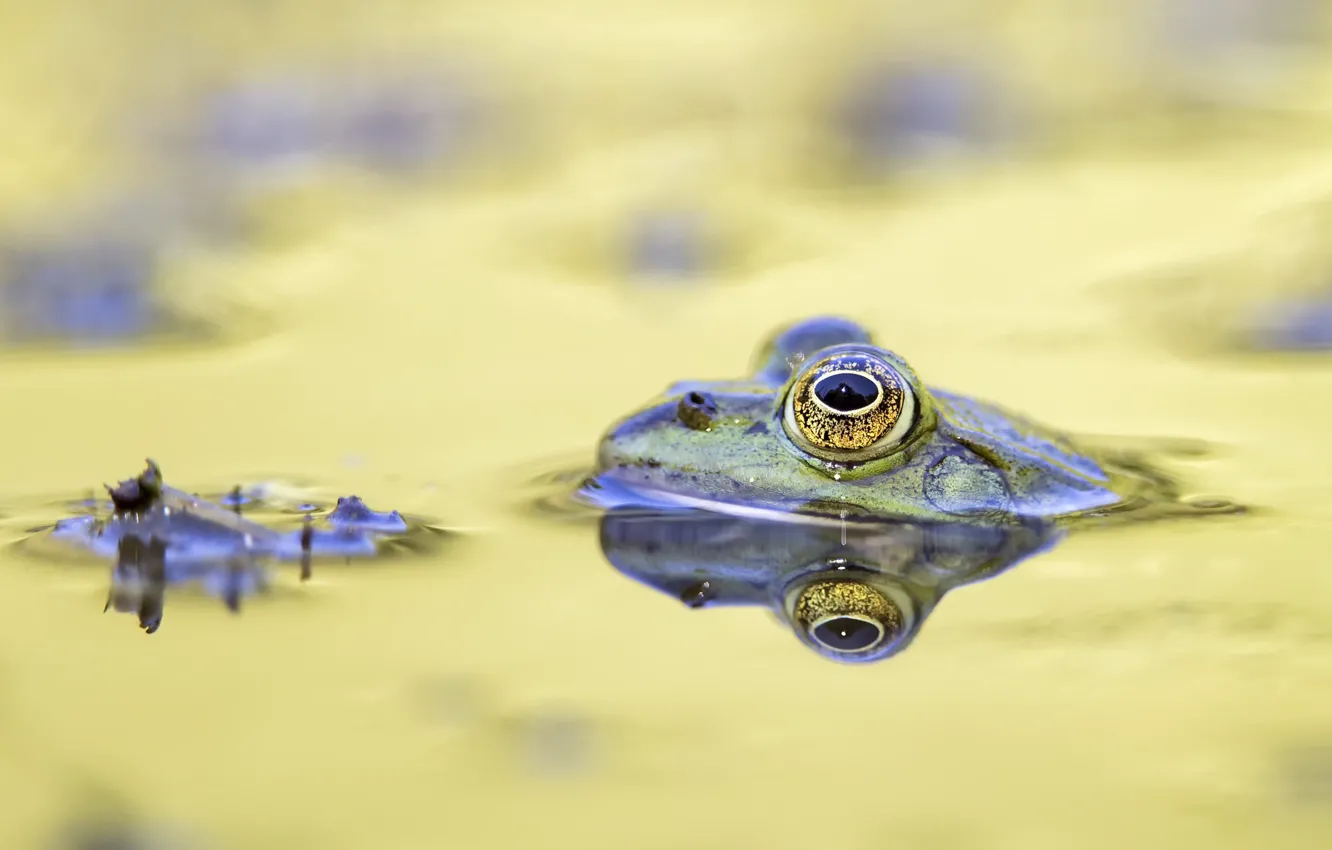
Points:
[(283, 127), (391, 124), (904, 113), (109, 275), (453, 700), (271, 125), (1269, 294), (668, 244), (1298, 324), (353, 514), (1229, 54), (558, 745), (124, 834), (158, 537), (1218, 30), (86, 292), (1306, 774)]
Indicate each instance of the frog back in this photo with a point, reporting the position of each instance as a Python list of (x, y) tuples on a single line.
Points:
[(1048, 473)]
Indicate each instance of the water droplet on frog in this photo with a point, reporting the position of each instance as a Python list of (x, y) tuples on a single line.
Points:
[(698, 595)]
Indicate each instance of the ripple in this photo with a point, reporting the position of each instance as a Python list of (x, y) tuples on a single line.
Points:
[(553, 493)]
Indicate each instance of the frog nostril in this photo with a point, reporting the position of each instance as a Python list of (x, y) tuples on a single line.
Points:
[(696, 410)]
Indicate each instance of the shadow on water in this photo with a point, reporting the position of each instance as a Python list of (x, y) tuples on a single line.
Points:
[(158, 537)]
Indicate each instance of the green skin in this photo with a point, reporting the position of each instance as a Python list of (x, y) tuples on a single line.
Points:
[(723, 445)]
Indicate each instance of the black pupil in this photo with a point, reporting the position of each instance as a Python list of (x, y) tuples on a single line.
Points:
[(847, 391), (846, 633)]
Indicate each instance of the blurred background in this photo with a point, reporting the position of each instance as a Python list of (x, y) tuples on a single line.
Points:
[(427, 251)]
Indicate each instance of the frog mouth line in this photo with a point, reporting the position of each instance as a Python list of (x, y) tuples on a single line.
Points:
[(604, 490)]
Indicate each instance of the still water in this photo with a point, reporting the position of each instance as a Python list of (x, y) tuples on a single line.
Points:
[(436, 347)]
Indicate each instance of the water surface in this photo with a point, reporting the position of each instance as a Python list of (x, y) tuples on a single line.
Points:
[(1157, 686)]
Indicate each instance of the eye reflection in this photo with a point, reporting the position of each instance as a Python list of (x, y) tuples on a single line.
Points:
[(847, 615)]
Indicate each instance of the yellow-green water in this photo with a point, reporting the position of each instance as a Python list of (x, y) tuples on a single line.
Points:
[(435, 348)]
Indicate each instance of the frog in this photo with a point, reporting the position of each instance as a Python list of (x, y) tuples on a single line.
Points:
[(852, 592), (828, 423)]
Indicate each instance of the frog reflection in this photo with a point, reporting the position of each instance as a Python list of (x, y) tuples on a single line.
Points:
[(851, 591), (160, 537)]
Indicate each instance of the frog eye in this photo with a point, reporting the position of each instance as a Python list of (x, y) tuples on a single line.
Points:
[(846, 618), (849, 407)]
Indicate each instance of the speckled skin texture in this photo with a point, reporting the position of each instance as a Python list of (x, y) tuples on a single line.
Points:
[(830, 430), (962, 459)]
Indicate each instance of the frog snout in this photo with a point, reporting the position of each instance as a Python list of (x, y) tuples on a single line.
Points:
[(609, 454), (621, 447)]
